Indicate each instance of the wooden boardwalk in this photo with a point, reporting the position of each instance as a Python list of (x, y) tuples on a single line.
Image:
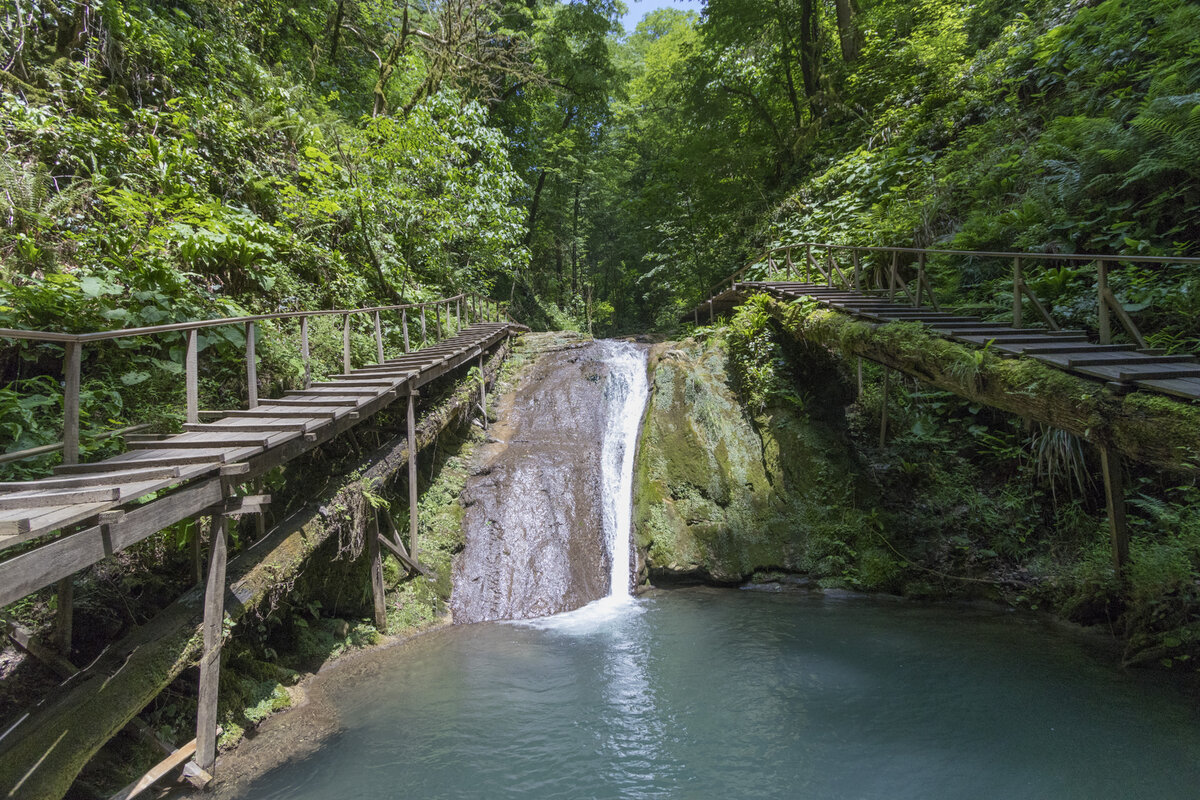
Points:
[(191, 472), (1122, 366)]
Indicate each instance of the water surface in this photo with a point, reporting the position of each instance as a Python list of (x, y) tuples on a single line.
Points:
[(710, 693)]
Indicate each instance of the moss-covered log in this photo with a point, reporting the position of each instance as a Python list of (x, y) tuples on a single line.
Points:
[(1150, 428), (45, 752)]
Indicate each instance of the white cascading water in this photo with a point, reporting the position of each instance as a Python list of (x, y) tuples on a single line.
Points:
[(626, 393)]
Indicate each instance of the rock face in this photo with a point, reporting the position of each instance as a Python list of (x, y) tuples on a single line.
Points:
[(720, 493), (532, 510)]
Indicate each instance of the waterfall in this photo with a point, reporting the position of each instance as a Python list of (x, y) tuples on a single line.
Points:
[(625, 395)]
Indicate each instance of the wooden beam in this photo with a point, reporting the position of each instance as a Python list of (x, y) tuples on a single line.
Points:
[(158, 772), (412, 475), (883, 408)]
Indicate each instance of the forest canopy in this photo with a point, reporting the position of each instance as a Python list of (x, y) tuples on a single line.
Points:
[(169, 160)]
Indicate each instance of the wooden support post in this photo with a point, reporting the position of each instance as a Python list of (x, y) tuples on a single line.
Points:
[(1018, 295), (251, 368), (378, 591), (424, 338), (64, 616), (404, 324), (304, 352), (829, 264), (1113, 467), (191, 376), (346, 365), (883, 408), (770, 268), (72, 361), (210, 661), (791, 268), (808, 262), (860, 376), (197, 561), (437, 318), (696, 316), (412, 475), (920, 279), (710, 312), (458, 314), (1105, 322), (483, 394), (857, 262), (892, 277), (378, 339)]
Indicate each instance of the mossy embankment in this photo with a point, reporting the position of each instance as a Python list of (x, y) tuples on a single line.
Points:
[(761, 454)]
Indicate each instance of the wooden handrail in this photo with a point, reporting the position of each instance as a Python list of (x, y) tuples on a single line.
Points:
[(1107, 303), (73, 344), (150, 330)]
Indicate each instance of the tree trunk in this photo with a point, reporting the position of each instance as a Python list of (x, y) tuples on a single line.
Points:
[(848, 34), (42, 755), (810, 47), (785, 52)]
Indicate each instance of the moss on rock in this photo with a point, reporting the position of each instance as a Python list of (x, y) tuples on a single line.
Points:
[(721, 493)]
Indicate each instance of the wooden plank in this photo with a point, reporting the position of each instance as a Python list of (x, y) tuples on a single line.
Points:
[(327, 400), (246, 426), (273, 412), (1021, 338), (1036, 348), (28, 500), (39, 521), (1130, 372), (154, 458), (115, 477), (158, 772), (1126, 358), (318, 391), (210, 440), (1188, 388)]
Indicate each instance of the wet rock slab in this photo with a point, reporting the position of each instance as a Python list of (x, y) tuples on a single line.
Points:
[(532, 521)]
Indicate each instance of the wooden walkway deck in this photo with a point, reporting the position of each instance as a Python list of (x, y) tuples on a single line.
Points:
[(1122, 366), (185, 472)]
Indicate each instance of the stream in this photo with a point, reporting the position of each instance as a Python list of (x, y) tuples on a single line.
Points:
[(702, 692)]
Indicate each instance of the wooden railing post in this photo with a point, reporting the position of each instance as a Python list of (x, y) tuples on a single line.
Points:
[(404, 325), (304, 355), (920, 279), (1018, 295), (791, 268), (191, 376), (424, 338), (1105, 321), (378, 339), (892, 277), (72, 362), (251, 368), (64, 624), (437, 318), (346, 366), (854, 259), (829, 265)]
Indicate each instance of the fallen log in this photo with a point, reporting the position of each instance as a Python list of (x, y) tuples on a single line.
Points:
[(43, 753), (1155, 430)]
